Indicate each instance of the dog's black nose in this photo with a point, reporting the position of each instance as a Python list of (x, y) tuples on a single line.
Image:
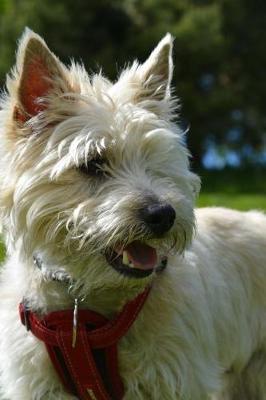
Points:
[(158, 217)]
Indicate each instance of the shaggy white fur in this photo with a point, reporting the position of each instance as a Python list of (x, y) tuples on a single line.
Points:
[(80, 157)]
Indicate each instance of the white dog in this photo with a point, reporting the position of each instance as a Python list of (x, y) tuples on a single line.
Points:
[(97, 204)]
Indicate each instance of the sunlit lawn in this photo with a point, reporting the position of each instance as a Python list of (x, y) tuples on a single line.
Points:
[(242, 190), (237, 201), (2, 252)]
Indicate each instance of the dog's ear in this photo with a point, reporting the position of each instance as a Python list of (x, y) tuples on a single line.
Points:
[(157, 71), (39, 72)]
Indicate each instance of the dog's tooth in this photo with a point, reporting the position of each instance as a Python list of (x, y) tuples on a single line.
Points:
[(125, 258)]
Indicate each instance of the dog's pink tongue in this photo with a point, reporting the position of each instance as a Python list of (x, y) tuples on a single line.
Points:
[(141, 255)]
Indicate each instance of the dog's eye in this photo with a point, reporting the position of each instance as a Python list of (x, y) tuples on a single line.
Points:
[(93, 167)]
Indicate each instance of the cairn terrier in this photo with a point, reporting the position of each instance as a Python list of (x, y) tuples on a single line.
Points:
[(96, 191)]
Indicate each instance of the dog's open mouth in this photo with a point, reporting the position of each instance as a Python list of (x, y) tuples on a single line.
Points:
[(137, 260)]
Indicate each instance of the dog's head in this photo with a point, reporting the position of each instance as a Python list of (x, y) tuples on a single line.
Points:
[(94, 173)]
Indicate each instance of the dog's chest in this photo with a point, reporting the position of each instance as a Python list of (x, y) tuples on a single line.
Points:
[(147, 355)]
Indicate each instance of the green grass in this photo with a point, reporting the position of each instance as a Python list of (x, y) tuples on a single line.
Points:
[(2, 252), (237, 201), (239, 189)]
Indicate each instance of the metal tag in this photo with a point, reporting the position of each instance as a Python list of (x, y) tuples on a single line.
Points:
[(75, 324)]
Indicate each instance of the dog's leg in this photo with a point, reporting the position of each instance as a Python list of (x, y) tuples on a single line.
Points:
[(253, 380), (250, 384)]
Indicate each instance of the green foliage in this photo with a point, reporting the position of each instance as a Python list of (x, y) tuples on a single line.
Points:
[(199, 29), (234, 181), (221, 40)]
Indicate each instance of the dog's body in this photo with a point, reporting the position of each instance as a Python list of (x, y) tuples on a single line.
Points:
[(93, 169)]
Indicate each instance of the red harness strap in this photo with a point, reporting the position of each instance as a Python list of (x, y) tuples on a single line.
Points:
[(90, 369)]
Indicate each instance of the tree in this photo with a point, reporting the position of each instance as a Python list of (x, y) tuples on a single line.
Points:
[(219, 54)]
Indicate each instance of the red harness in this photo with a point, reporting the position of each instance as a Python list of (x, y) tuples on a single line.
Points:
[(90, 369)]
